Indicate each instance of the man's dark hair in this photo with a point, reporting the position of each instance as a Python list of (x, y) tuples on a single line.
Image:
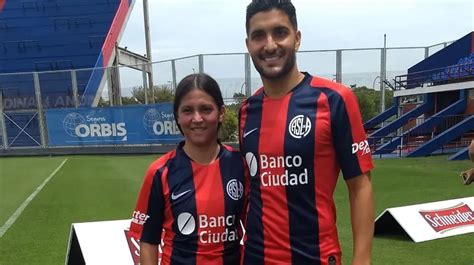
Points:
[(257, 6)]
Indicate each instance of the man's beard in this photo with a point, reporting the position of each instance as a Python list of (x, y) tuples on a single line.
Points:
[(287, 66)]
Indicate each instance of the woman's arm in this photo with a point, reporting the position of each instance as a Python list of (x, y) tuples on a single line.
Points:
[(148, 254)]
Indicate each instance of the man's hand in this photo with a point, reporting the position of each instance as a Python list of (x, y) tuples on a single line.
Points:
[(468, 176)]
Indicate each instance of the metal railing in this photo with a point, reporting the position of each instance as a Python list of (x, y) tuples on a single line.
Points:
[(443, 75), (409, 139), (29, 94)]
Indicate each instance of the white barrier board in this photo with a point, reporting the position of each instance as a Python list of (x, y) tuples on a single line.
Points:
[(102, 243), (428, 221)]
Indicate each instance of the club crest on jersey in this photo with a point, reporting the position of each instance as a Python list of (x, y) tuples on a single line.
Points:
[(299, 126), (235, 189)]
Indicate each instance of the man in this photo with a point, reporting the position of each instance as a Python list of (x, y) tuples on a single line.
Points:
[(297, 132), (468, 175)]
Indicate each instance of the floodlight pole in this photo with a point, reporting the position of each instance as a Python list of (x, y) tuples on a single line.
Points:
[(383, 73), (148, 49), (2, 124), (248, 76)]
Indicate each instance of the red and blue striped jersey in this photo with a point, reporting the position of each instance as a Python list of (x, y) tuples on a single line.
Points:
[(198, 208), (295, 148)]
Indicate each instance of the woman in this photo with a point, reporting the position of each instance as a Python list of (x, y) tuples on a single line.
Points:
[(193, 197)]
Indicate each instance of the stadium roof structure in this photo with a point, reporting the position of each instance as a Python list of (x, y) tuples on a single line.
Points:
[(55, 35)]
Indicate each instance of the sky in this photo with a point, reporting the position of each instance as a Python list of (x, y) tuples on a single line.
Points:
[(188, 27), (181, 28)]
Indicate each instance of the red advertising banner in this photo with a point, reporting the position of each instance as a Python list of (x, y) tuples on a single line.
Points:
[(134, 246), (428, 221), (442, 220)]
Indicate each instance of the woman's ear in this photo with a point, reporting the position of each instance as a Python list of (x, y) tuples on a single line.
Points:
[(221, 113)]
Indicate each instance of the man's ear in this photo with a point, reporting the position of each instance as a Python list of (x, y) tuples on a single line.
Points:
[(298, 40)]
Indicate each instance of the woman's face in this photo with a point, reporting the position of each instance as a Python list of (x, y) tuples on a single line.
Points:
[(199, 117)]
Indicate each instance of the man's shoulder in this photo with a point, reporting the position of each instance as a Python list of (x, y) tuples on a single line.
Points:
[(255, 95), (323, 83), (334, 91)]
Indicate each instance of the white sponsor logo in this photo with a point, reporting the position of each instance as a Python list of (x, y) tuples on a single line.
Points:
[(165, 127), (160, 123), (362, 146), (186, 223), (299, 126), (269, 179), (235, 189), (269, 164), (139, 218), (249, 132), (209, 223), (90, 118), (101, 130), (251, 163), (177, 196), (71, 121), (280, 161), (75, 125), (208, 226)]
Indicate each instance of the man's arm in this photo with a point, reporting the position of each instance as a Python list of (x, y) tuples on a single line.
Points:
[(362, 217), (148, 253)]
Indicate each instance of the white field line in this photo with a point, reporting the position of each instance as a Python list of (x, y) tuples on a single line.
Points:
[(22, 207)]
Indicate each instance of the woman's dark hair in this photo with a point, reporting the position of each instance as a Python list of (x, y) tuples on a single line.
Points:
[(196, 81), (257, 6)]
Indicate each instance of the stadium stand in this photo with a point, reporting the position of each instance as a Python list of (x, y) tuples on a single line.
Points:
[(54, 35), (434, 105)]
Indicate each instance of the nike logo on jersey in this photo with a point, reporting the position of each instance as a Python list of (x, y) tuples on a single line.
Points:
[(177, 196), (249, 132)]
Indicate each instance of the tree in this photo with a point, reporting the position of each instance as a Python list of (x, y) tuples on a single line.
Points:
[(366, 105), (160, 93), (228, 131), (239, 98), (369, 101), (103, 103), (129, 101), (163, 93)]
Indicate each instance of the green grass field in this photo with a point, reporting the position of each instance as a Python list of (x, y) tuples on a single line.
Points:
[(96, 188)]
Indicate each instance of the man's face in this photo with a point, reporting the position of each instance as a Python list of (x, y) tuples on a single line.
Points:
[(272, 43)]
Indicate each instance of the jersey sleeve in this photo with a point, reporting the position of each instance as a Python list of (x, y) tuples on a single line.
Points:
[(147, 219), (350, 140)]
